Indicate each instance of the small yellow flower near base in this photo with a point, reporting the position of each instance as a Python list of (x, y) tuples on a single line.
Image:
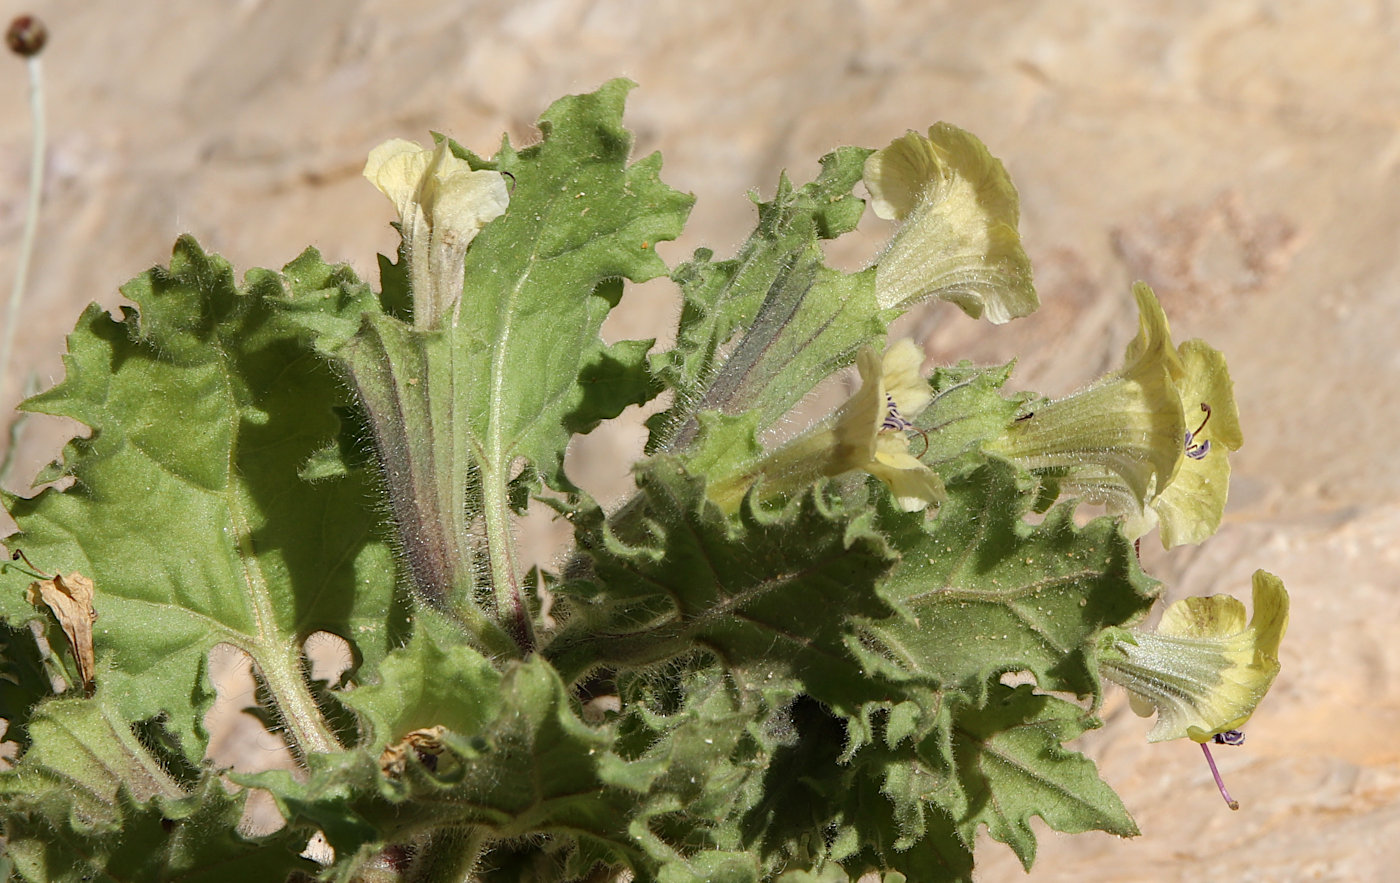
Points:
[(867, 433), (870, 426)]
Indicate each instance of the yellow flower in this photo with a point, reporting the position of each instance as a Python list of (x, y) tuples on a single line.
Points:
[(1203, 671), (442, 204), (867, 433), (1122, 431), (958, 213), (1151, 441), (1189, 508)]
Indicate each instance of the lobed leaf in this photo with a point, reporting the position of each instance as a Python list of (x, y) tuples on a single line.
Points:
[(986, 592), (541, 279), (802, 320), (1013, 766), (776, 595), (187, 512), (531, 769), (91, 800)]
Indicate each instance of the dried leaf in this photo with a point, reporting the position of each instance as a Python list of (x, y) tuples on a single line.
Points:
[(70, 600), (426, 744)]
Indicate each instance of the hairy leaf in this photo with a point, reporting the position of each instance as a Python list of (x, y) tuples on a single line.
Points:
[(776, 595), (1013, 766), (532, 769), (187, 512), (91, 800), (541, 279), (802, 320), (186, 507), (986, 592)]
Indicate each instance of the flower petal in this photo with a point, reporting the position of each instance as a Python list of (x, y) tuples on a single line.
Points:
[(914, 485), (1207, 381), (854, 438), (396, 168), (1191, 506), (1124, 429), (958, 240), (1203, 671), (899, 371), (442, 204)]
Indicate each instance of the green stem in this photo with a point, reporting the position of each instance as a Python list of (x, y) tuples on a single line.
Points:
[(31, 216), (501, 554), (449, 856), (407, 381), (291, 700), (278, 663)]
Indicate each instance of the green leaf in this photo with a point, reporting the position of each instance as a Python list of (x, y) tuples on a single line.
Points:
[(541, 279), (775, 595), (891, 807), (697, 768), (986, 592), (434, 680), (881, 809), (83, 755), (805, 788), (803, 321), (90, 801), (463, 411), (617, 377), (532, 769), (1013, 766), (186, 508), (712, 867), (967, 409)]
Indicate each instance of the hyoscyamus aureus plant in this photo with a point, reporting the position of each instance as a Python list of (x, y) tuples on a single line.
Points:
[(777, 660)]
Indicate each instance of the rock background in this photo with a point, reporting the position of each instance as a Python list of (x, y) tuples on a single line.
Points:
[(1243, 157)]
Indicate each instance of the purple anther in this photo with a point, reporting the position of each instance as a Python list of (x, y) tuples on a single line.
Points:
[(893, 419)]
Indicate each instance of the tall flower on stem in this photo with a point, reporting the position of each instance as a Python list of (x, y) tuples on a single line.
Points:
[(442, 203), (1151, 440), (866, 433)]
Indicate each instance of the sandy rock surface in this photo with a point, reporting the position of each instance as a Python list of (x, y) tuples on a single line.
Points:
[(1242, 157)]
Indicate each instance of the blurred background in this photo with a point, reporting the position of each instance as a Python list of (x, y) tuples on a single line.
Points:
[(1242, 157)]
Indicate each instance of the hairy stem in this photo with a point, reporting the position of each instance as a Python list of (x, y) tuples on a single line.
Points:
[(31, 215), (449, 856), (505, 572), (408, 381)]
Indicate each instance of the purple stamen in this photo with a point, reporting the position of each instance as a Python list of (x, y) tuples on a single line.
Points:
[(1229, 737), (1198, 450), (893, 419), (1219, 782), (895, 422)]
